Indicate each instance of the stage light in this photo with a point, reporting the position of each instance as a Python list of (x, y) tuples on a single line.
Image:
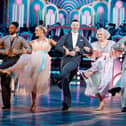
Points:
[(78, 78), (75, 16), (18, 1), (121, 56), (50, 11), (61, 16), (78, 83), (119, 4), (100, 9), (86, 13), (121, 60), (37, 7)]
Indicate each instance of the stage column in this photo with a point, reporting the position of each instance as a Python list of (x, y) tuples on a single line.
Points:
[(109, 10), (28, 12)]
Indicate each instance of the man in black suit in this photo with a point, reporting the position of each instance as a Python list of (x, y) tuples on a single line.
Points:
[(72, 46)]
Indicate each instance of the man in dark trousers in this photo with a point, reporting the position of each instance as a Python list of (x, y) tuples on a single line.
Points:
[(72, 46), (12, 47)]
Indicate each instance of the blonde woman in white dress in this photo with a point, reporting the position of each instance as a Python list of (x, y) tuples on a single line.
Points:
[(33, 70)]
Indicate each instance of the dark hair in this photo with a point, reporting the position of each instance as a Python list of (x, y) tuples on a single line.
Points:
[(15, 24), (41, 22), (75, 20)]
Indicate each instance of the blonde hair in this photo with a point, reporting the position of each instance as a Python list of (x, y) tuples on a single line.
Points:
[(42, 28), (106, 33)]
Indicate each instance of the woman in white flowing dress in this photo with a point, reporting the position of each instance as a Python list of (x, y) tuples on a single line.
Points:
[(99, 76), (33, 70)]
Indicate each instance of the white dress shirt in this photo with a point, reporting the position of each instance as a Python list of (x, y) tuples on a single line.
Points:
[(74, 38), (13, 36)]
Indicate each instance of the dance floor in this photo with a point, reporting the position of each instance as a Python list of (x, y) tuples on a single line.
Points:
[(49, 113)]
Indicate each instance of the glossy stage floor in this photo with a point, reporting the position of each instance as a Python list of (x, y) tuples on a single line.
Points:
[(49, 113)]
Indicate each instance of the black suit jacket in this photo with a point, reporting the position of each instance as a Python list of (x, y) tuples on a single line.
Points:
[(67, 42)]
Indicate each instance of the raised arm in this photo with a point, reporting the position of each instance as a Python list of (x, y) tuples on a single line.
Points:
[(52, 42)]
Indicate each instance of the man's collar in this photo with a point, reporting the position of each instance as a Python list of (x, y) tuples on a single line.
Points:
[(13, 36), (74, 33)]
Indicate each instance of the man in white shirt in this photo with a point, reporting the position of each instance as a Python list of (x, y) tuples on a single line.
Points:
[(72, 46)]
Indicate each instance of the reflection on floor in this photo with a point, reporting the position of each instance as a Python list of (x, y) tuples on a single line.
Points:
[(49, 113)]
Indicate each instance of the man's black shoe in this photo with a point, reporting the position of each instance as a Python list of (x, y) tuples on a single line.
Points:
[(6, 107), (113, 91), (124, 109), (65, 107)]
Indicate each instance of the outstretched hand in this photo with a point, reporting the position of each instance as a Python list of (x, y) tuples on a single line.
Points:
[(5, 71)]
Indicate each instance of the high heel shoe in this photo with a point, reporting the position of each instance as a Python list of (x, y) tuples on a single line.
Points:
[(101, 107), (33, 108)]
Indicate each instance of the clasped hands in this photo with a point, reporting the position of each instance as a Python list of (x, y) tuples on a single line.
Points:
[(73, 52), (76, 49), (15, 51), (23, 51)]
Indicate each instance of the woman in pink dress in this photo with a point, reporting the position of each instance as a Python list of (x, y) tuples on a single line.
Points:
[(33, 70)]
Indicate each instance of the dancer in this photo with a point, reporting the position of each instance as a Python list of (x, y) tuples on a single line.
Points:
[(12, 46), (99, 76), (33, 70), (121, 84), (72, 46)]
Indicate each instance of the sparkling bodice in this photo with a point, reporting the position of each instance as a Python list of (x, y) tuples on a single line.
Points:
[(41, 45)]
